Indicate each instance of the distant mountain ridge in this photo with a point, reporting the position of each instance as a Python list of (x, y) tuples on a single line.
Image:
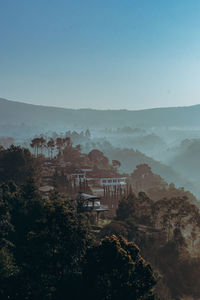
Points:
[(12, 112)]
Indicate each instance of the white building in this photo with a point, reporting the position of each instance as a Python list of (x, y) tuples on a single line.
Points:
[(113, 181)]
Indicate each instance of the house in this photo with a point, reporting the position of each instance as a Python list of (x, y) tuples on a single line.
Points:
[(77, 175), (112, 181), (88, 202), (91, 204)]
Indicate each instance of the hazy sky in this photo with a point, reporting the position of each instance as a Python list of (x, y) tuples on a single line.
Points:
[(100, 53)]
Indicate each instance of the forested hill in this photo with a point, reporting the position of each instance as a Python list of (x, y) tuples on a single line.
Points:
[(17, 113)]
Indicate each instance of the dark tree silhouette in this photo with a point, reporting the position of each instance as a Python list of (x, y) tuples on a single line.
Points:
[(115, 270)]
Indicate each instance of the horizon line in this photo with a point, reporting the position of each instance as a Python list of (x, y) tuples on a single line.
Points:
[(97, 109)]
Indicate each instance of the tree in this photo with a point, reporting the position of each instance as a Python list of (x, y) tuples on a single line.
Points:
[(117, 228), (97, 158), (116, 163), (175, 213), (87, 133), (115, 270), (49, 240), (143, 179), (42, 144), (35, 144), (51, 146), (8, 268), (5, 225), (59, 145), (17, 164), (127, 207)]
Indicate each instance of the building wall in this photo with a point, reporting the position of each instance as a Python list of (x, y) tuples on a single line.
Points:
[(112, 181)]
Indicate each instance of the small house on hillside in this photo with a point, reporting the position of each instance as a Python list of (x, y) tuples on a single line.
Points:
[(91, 204), (112, 182)]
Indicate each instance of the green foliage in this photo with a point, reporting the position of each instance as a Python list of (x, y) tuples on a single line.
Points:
[(46, 245), (172, 264), (49, 241), (114, 269), (7, 264), (166, 215), (17, 164), (97, 158), (143, 179), (164, 230), (126, 207), (47, 252), (5, 225), (116, 228)]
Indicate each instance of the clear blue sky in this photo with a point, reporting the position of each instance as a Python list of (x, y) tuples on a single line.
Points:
[(111, 54)]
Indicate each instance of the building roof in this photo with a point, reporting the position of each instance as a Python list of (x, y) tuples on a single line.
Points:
[(104, 174), (84, 197), (46, 188), (102, 208)]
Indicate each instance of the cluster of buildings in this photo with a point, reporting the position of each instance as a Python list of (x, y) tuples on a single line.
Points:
[(97, 179), (107, 185)]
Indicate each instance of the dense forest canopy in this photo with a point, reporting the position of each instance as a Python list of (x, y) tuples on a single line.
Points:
[(100, 150), (50, 249), (59, 244)]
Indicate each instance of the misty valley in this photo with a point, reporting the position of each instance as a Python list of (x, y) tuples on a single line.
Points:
[(99, 150), (99, 210)]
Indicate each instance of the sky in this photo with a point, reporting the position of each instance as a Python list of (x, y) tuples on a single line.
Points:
[(101, 54)]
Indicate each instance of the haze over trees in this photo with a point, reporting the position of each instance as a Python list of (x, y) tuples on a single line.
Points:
[(168, 234), (155, 137), (48, 249), (51, 249)]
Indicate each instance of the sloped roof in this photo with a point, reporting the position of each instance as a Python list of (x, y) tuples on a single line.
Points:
[(46, 188), (84, 197)]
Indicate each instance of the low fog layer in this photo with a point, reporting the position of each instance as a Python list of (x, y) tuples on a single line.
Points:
[(167, 139)]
